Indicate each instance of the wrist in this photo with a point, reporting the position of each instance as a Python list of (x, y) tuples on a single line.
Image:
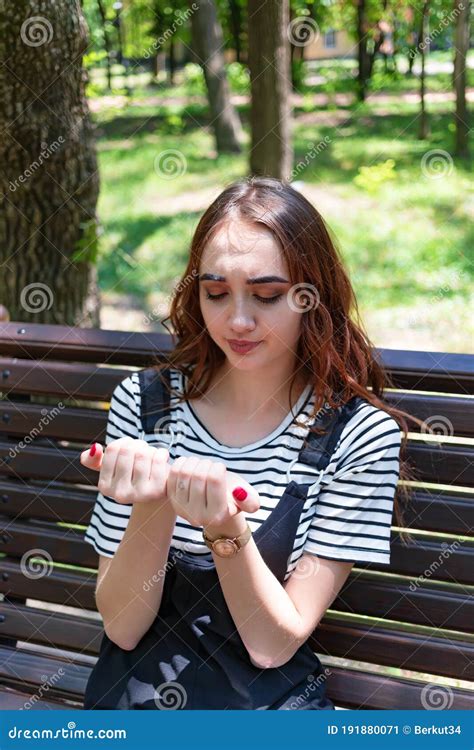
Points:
[(231, 528)]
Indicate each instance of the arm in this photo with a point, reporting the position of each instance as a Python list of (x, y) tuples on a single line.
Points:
[(129, 592), (274, 620)]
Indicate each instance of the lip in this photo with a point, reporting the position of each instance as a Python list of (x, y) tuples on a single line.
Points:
[(242, 347)]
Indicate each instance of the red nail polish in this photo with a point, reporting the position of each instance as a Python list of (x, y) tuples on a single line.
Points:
[(93, 449), (239, 494)]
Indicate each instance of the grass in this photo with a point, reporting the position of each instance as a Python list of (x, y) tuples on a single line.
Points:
[(407, 239)]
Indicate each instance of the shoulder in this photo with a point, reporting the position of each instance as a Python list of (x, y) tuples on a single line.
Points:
[(370, 429)]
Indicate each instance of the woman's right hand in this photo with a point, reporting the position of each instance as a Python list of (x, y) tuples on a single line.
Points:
[(131, 471)]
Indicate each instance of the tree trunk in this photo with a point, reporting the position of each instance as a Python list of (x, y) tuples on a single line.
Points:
[(49, 182), (461, 46), (171, 62), (270, 110), (208, 43), (362, 54), (103, 19), (424, 128), (236, 27)]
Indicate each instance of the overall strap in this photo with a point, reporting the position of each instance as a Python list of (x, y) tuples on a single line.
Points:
[(155, 398), (320, 448)]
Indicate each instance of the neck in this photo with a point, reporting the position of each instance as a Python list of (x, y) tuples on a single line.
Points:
[(256, 392)]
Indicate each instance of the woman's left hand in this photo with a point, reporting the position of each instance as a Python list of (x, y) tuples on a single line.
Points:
[(200, 491)]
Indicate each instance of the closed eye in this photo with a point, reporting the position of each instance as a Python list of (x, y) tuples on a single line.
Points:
[(265, 300)]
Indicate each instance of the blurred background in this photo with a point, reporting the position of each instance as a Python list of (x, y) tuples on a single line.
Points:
[(122, 121)]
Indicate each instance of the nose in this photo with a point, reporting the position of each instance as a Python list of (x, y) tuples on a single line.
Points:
[(241, 318)]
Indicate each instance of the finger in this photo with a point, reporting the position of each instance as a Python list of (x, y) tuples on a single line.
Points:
[(248, 504), (197, 504), (160, 469), (142, 461), (93, 461), (218, 504), (184, 482), (108, 466), (173, 474)]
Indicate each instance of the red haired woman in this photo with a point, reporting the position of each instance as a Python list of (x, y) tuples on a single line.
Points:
[(245, 476)]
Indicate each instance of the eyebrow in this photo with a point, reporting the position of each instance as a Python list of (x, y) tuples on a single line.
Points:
[(255, 280)]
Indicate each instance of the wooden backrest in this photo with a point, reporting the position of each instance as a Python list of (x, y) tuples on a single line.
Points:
[(416, 614)]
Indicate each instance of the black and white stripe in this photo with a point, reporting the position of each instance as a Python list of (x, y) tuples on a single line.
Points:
[(348, 511)]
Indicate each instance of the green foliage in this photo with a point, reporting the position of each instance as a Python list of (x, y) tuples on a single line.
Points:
[(238, 77), (371, 178), (298, 74), (86, 249), (193, 79)]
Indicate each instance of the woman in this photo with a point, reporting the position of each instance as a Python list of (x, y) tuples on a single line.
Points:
[(276, 442)]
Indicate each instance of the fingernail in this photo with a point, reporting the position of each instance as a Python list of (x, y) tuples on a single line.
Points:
[(93, 449), (239, 494)]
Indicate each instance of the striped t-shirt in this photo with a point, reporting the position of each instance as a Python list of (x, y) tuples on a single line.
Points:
[(347, 513)]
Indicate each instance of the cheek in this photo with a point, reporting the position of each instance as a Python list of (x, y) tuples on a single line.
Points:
[(286, 323)]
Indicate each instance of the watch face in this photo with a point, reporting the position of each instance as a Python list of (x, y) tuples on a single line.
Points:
[(225, 548)]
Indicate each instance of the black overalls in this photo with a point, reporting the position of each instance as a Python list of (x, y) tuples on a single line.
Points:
[(192, 656)]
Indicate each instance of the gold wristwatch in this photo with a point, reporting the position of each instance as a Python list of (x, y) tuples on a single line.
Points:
[(225, 546)]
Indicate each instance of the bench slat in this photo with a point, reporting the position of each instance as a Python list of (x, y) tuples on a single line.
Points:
[(50, 628), (392, 648), (457, 412), (442, 464), (28, 668), (46, 503), (61, 379), (61, 586), (441, 372), (351, 688), (42, 341), (63, 423), (12, 700)]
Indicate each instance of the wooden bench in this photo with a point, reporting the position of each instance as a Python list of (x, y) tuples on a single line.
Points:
[(420, 608)]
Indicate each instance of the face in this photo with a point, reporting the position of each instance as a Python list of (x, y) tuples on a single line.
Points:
[(234, 309)]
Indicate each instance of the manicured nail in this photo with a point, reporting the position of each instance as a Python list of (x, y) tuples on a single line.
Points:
[(93, 449), (239, 494)]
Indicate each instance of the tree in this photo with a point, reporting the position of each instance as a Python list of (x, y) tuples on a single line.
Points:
[(461, 46), (269, 63), (423, 35), (208, 44), (49, 182)]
